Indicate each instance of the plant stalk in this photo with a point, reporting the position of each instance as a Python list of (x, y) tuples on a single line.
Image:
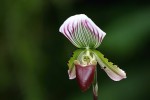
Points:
[(95, 87)]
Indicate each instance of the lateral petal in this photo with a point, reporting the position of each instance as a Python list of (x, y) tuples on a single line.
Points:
[(114, 72)]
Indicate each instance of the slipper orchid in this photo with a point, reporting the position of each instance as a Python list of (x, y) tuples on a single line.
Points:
[(87, 36)]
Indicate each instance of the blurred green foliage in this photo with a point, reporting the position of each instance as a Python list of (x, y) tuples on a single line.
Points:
[(34, 55)]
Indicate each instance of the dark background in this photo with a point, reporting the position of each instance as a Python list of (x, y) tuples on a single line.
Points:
[(34, 55)]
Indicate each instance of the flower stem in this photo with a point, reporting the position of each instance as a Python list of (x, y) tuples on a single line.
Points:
[(95, 87)]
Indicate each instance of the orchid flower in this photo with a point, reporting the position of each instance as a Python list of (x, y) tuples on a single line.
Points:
[(83, 33)]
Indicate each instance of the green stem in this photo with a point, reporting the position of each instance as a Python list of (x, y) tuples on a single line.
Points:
[(95, 87)]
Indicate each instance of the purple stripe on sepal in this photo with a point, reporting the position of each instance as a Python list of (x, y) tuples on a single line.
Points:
[(74, 29)]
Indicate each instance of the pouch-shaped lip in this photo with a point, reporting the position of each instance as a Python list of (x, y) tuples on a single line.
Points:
[(85, 75)]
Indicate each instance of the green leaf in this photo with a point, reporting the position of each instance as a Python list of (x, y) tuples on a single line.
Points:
[(76, 53), (114, 72)]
